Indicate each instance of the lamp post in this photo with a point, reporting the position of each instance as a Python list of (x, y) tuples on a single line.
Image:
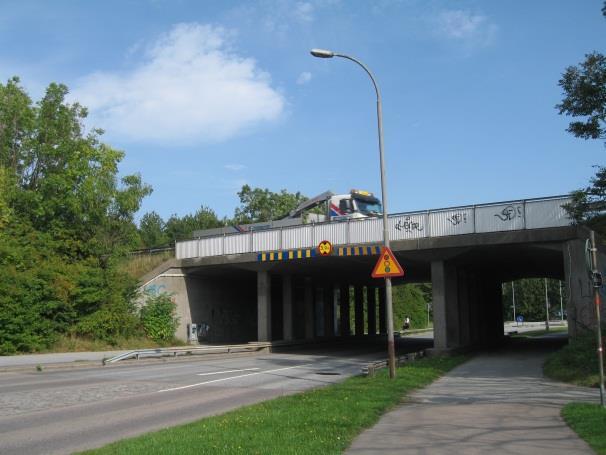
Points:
[(322, 53)]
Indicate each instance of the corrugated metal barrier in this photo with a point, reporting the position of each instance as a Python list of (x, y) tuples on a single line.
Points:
[(496, 217)]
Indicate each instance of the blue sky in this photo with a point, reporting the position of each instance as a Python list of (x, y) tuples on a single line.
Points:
[(206, 96)]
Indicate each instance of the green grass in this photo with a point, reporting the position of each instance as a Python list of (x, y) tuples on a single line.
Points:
[(576, 363), (539, 333), (319, 421), (589, 422), (68, 343), (138, 265)]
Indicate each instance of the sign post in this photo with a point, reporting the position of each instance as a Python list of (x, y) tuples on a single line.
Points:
[(596, 278)]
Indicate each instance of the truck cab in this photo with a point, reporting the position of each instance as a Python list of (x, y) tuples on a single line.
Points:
[(355, 204)]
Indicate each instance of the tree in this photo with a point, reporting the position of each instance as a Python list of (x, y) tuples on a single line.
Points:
[(64, 217), (152, 230), (584, 94), (258, 204), (177, 228)]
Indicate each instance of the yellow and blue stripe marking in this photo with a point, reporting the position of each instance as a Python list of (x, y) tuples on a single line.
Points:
[(306, 253), (358, 250)]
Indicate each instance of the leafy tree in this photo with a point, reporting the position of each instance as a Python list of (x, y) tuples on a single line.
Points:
[(258, 204), (585, 96), (152, 230), (410, 300), (530, 299), (584, 93), (65, 216), (177, 228)]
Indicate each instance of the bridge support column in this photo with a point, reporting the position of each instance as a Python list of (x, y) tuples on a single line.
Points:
[(345, 329), (329, 310), (474, 296), (263, 306), (492, 312), (287, 308), (359, 310), (382, 312), (580, 309), (371, 293), (446, 325), (464, 307), (308, 307)]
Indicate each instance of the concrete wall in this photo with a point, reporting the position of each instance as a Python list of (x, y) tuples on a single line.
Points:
[(580, 309), (229, 310)]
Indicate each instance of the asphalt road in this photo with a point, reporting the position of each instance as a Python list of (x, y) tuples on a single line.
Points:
[(66, 410)]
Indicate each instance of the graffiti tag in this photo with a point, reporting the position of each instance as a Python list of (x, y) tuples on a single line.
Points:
[(155, 289), (509, 213), (457, 218), (408, 225)]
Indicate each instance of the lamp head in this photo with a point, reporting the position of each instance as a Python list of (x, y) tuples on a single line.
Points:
[(322, 53)]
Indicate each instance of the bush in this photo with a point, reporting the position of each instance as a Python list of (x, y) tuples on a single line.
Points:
[(576, 362), (159, 318)]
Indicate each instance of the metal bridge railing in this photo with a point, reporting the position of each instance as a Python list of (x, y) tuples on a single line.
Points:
[(494, 217)]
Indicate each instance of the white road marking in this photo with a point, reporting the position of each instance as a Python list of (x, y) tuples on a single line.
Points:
[(233, 377), (228, 371)]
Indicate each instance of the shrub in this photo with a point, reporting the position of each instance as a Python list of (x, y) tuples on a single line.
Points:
[(159, 318)]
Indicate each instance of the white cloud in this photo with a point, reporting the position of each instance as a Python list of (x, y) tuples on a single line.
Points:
[(304, 78), (304, 11), (190, 87), (466, 26), (234, 167)]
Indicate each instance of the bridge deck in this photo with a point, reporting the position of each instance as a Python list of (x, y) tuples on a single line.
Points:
[(495, 217)]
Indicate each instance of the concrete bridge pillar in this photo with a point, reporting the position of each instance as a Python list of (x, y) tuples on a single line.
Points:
[(263, 306), (580, 309), (464, 299), (446, 323), (308, 306), (371, 293), (345, 329), (382, 312), (329, 310), (287, 308), (359, 310)]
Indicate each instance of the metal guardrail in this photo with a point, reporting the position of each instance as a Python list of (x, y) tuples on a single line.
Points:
[(188, 350), (372, 367)]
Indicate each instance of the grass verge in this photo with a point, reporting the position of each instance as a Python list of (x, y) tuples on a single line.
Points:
[(138, 265), (540, 333), (319, 421), (589, 422), (575, 363), (69, 343)]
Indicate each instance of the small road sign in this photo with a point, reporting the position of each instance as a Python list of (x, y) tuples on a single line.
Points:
[(325, 248), (387, 265), (519, 318)]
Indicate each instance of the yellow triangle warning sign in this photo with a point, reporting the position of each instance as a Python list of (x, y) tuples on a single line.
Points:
[(387, 265)]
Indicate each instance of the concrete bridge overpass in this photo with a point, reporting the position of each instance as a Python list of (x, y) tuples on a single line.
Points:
[(271, 285)]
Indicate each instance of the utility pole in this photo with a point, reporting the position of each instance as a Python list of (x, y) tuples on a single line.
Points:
[(513, 300), (561, 304)]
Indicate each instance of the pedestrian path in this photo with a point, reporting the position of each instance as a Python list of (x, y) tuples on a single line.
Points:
[(497, 403)]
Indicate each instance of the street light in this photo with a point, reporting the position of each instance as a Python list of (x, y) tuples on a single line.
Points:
[(323, 53)]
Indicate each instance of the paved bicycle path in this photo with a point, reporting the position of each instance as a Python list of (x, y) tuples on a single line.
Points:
[(497, 403)]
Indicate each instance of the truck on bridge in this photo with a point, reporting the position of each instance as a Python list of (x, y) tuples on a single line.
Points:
[(356, 204)]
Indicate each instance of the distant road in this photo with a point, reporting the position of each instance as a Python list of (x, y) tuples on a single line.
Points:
[(66, 410)]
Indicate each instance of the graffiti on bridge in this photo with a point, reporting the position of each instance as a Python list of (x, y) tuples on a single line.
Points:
[(510, 212), (408, 225)]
